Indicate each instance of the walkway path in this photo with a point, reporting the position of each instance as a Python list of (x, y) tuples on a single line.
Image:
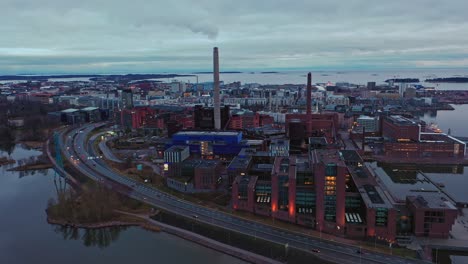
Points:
[(207, 242)]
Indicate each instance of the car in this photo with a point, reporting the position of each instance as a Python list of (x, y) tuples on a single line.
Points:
[(359, 251), (315, 250), (195, 216)]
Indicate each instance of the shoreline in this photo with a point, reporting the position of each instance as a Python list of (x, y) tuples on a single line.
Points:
[(418, 161), (207, 242), (144, 224), (28, 167), (6, 161), (155, 226), (37, 145)]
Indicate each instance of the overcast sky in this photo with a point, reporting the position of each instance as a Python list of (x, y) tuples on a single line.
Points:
[(105, 36)]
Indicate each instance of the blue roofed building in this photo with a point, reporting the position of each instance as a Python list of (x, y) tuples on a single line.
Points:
[(207, 143)]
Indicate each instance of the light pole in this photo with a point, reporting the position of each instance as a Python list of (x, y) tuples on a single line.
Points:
[(320, 229), (360, 254)]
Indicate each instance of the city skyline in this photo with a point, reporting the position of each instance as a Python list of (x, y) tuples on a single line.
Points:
[(114, 36)]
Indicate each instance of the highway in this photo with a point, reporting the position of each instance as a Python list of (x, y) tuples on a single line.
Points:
[(77, 150)]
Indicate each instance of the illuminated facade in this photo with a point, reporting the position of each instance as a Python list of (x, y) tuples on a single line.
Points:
[(404, 139), (329, 190)]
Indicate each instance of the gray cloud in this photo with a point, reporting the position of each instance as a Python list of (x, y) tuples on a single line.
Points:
[(117, 35), (211, 31)]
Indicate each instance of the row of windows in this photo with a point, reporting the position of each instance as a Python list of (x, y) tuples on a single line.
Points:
[(434, 220), (434, 213), (352, 202)]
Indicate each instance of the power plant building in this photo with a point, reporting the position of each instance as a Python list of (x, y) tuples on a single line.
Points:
[(208, 143)]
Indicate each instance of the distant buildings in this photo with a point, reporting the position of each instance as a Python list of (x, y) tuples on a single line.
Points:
[(207, 143), (136, 117), (367, 124), (302, 126), (195, 175), (284, 150), (73, 116), (127, 99), (404, 139), (246, 119), (204, 117)]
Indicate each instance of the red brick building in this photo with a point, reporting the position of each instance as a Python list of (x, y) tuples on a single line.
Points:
[(136, 117), (329, 191), (403, 139), (315, 125), (249, 120), (400, 129), (206, 175), (432, 215)]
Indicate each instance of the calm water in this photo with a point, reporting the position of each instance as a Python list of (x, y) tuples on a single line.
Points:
[(26, 237), (456, 120), (356, 77)]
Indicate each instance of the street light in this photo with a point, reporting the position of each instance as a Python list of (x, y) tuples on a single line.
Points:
[(360, 254), (320, 228)]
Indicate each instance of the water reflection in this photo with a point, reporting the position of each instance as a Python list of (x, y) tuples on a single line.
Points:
[(25, 234), (7, 146), (100, 237), (452, 169), (25, 173)]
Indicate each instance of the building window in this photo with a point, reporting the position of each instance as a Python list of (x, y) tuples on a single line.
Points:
[(381, 217)]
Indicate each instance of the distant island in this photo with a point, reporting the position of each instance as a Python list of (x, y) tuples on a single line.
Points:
[(449, 80), (93, 77), (268, 72), (219, 72), (403, 80)]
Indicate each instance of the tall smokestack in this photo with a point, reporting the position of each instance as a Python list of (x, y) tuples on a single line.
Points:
[(309, 93), (217, 103)]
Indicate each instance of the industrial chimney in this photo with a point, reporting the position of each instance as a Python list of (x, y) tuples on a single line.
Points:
[(309, 93), (217, 103)]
